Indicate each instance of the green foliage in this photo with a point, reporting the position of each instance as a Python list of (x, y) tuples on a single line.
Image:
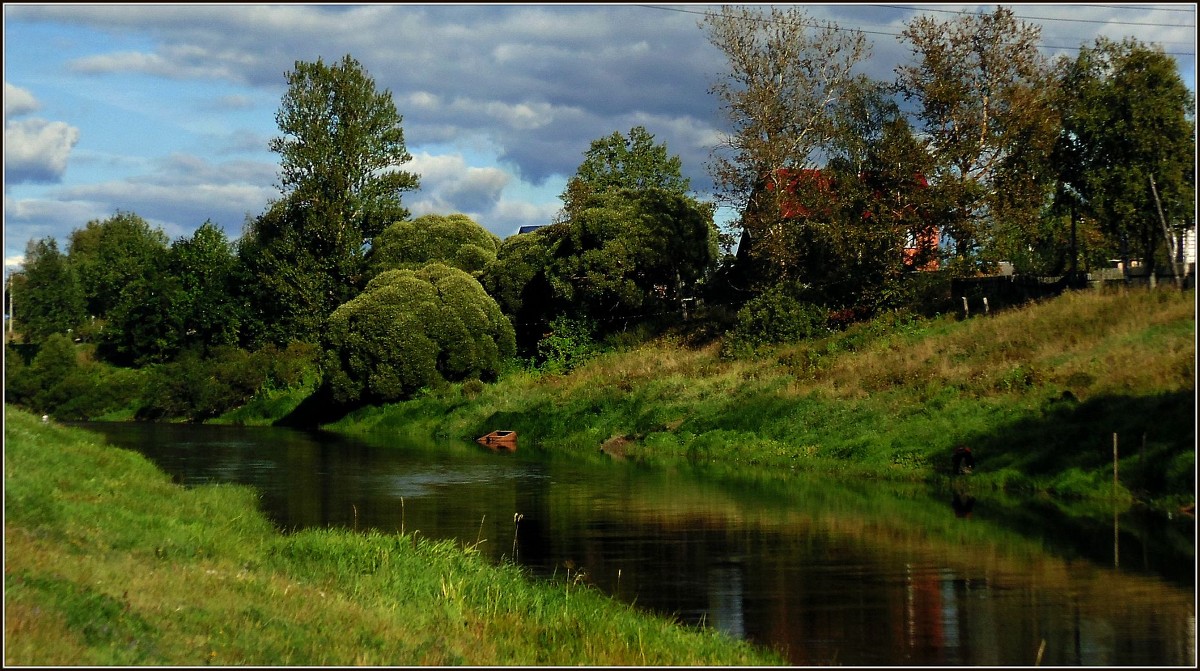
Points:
[(111, 254), (413, 329), (454, 240), (66, 384), (209, 302), (198, 388), (340, 151), (617, 162), (95, 390), (341, 146), (775, 316), (37, 385), (146, 324), (518, 280), (784, 71), (569, 344), (1127, 120), (621, 258), (984, 97), (48, 297), (625, 256), (289, 283)]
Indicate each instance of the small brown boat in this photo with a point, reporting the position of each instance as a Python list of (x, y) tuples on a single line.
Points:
[(499, 440)]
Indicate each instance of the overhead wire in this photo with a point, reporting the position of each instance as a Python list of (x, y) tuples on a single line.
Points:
[(836, 27)]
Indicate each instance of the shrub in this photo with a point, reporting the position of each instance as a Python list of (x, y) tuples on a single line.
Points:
[(454, 240), (775, 316), (568, 345), (413, 329)]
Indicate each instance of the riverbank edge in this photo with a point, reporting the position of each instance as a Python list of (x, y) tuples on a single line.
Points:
[(661, 405), (108, 562)]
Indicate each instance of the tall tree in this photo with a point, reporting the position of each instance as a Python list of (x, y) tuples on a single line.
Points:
[(633, 162), (983, 97), (341, 152), (206, 266), (50, 298), (341, 149), (785, 72), (108, 255), (1128, 136)]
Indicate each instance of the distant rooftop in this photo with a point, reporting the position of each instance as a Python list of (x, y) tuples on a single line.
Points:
[(529, 229)]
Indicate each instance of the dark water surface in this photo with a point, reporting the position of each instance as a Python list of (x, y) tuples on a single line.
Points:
[(864, 575)]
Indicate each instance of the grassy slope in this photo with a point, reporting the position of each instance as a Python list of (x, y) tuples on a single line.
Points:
[(108, 563), (1037, 392)]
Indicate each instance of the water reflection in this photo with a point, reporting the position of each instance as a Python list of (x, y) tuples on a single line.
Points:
[(845, 575)]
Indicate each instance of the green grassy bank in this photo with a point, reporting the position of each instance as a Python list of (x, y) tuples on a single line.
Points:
[(109, 563), (1037, 392)]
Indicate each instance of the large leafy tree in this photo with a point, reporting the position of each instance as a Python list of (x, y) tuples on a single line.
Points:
[(632, 162), (626, 253), (411, 329), (984, 99), (1128, 134), (786, 71), (108, 255), (341, 150), (454, 239), (50, 298), (289, 284), (519, 282), (208, 302), (146, 324), (622, 257)]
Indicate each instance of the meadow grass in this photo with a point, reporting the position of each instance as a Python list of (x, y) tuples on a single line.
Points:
[(107, 562), (1036, 392)]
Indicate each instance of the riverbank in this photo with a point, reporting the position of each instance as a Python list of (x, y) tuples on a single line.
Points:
[(1041, 394), (109, 563)]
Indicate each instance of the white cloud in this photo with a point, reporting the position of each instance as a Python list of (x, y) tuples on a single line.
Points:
[(492, 196), (36, 150), (18, 101)]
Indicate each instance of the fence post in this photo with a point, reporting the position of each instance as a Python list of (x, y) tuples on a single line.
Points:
[(966, 311)]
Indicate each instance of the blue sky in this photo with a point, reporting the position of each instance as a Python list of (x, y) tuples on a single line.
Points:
[(166, 110)]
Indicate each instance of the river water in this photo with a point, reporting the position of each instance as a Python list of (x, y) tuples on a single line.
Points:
[(853, 575)]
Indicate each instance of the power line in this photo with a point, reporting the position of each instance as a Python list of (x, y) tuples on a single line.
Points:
[(1141, 8), (1037, 18), (834, 26)]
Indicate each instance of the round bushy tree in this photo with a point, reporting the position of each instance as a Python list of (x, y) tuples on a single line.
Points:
[(455, 240), (411, 329)]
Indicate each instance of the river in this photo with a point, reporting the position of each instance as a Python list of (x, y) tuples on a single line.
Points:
[(863, 574)]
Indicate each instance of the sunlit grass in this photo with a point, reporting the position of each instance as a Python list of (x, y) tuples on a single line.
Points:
[(884, 399), (109, 563)]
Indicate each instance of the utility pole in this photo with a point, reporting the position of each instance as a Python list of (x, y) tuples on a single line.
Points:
[(1167, 236)]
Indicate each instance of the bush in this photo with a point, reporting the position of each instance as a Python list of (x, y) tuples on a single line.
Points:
[(454, 240), (568, 345), (413, 329), (197, 389), (775, 316)]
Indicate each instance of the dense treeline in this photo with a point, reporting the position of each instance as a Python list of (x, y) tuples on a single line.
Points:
[(334, 291)]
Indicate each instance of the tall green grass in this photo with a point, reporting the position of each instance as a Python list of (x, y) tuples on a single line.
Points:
[(109, 563), (1037, 392)]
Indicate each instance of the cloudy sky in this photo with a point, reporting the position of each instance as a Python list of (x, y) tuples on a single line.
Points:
[(166, 110)]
